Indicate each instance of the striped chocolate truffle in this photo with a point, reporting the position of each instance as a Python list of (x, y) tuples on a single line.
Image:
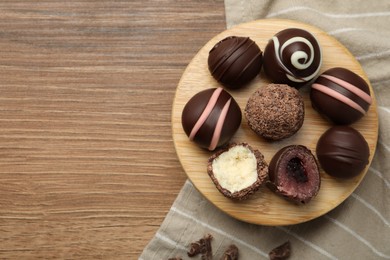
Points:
[(235, 61), (293, 56), (211, 117), (341, 96)]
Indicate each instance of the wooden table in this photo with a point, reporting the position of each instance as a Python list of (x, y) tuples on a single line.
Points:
[(87, 165)]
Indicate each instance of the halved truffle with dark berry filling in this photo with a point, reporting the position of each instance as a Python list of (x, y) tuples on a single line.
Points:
[(237, 170), (294, 174)]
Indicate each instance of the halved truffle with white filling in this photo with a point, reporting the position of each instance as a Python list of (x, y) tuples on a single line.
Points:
[(237, 170), (294, 174)]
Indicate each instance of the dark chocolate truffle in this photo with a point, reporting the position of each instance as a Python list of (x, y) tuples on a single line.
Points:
[(235, 61), (211, 117), (341, 96), (293, 56), (342, 152), (237, 170), (294, 174), (275, 111)]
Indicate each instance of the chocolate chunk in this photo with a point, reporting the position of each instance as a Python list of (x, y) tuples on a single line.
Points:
[(203, 247), (231, 253), (281, 252), (176, 258)]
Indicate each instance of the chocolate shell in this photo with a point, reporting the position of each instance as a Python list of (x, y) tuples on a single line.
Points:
[(275, 111), (293, 56), (211, 117), (235, 61), (341, 96), (294, 174), (342, 152), (237, 170)]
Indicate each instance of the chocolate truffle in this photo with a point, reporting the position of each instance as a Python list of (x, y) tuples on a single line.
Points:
[(275, 111), (342, 152), (235, 61), (294, 174), (237, 170), (340, 96), (293, 56), (211, 117)]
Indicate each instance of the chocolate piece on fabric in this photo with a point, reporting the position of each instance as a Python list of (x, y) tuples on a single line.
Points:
[(281, 252), (231, 253), (203, 247), (359, 228)]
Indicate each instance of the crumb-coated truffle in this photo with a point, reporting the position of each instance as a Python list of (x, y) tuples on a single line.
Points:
[(275, 111), (294, 174), (341, 96), (211, 117), (342, 152), (293, 56), (237, 170), (234, 61)]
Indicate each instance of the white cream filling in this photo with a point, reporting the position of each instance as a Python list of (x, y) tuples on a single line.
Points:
[(235, 169)]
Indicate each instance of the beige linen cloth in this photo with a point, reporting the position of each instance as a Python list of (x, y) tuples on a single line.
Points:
[(358, 228)]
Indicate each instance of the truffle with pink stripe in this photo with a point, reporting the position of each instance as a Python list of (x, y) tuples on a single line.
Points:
[(341, 96), (211, 117)]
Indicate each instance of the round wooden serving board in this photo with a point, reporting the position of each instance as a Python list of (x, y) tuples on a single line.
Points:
[(265, 207)]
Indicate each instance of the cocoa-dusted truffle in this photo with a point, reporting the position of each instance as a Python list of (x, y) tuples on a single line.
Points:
[(237, 170), (341, 96), (211, 117), (294, 174), (342, 152), (293, 56), (275, 111), (235, 61)]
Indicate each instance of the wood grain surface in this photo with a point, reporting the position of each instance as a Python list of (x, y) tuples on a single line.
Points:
[(265, 207), (88, 169)]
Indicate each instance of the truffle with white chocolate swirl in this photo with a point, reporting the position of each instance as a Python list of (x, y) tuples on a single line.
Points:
[(293, 56)]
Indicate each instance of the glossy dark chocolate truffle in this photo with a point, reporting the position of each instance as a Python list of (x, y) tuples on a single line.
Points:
[(294, 174), (293, 56), (211, 117), (235, 61), (275, 111), (341, 96), (237, 170), (342, 152)]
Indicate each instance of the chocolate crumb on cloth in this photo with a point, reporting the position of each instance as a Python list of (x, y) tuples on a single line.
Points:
[(231, 253), (281, 252), (203, 247)]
